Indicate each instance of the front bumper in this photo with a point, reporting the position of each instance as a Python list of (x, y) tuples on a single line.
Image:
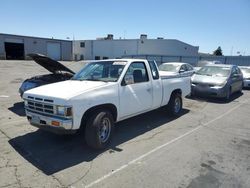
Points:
[(246, 83), (45, 123), (209, 91)]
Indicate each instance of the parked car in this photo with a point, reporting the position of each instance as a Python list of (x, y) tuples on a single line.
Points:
[(58, 72), (217, 81), (246, 75), (102, 93), (176, 69)]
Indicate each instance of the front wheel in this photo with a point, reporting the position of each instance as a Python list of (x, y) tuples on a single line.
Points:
[(241, 88), (99, 129), (228, 95), (175, 104)]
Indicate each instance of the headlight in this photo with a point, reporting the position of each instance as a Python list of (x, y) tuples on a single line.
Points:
[(61, 110), (64, 111), (222, 84)]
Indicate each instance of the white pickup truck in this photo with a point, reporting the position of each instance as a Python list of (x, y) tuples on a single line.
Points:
[(102, 93)]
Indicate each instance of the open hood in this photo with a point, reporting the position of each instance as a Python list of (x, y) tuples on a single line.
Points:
[(49, 64)]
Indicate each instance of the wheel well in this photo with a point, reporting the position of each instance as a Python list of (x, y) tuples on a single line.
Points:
[(177, 91), (112, 108)]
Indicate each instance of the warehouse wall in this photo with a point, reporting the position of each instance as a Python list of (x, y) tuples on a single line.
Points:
[(123, 47), (40, 46), (37, 45), (114, 48), (2, 50), (166, 47), (79, 51)]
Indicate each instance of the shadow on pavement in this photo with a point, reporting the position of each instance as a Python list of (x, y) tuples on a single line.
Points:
[(18, 109), (216, 100), (52, 153)]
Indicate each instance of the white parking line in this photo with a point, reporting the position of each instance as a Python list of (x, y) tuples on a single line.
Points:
[(4, 96), (160, 147)]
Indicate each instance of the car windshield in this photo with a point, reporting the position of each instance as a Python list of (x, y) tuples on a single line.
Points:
[(107, 71), (169, 67), (214, 71), (245, 70)]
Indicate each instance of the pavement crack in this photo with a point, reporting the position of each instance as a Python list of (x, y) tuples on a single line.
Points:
[(83, 176), (17, 178), (57, 180), (9, 185), (4, 134)]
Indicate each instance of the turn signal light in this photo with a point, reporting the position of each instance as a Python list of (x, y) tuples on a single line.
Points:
[(55, 123)]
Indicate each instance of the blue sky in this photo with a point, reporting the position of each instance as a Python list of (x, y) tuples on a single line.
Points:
[(204, 23)]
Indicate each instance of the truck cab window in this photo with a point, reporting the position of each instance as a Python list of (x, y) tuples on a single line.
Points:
[(136, 73)]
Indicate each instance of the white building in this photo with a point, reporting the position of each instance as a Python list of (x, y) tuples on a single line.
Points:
[(17, 47), (107, 48)]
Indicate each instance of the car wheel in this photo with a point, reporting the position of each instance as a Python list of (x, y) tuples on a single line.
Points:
[(241, 88), (99, 129), (228, 94), (175, 104)]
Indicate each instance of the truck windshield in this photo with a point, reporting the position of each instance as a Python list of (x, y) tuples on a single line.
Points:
[(107, 71)]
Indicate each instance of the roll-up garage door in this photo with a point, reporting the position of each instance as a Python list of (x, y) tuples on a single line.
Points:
[(54, 50)]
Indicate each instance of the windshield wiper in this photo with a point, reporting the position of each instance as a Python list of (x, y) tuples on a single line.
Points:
[(91, 79), (203, 74)]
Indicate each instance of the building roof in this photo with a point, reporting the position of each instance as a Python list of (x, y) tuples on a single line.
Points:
[(34, 37)]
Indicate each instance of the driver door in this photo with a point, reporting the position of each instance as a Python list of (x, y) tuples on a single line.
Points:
[(136, 95)]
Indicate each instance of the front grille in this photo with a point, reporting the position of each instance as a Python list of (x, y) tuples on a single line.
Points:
[(203, 85), (40, 105)]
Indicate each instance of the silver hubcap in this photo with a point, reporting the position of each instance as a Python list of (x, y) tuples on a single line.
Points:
[(177, 105), (104, 130)]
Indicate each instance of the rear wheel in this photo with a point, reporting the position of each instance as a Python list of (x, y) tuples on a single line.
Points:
[(242, 85), (99, 129), (228, 94), (175, 104)]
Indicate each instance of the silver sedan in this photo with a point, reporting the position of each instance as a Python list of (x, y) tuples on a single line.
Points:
[(246, 76), (217, 81)]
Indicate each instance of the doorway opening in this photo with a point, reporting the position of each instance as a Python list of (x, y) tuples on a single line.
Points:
[(14, 51)]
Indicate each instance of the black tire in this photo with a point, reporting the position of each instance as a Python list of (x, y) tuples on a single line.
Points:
[(175, 104), (228, 95), (241, 88), (96, 135)]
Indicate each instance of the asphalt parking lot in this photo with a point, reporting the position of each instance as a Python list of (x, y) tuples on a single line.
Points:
[(208, 146)]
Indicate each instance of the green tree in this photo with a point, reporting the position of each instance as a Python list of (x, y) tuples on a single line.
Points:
[(218, 51)]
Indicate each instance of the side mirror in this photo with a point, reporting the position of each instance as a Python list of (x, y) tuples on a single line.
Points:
[(128, 79), (235, 75), (181, 71)]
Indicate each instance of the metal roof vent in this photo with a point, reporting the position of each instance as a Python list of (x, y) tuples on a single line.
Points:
[(110, 37), (143, 36)]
